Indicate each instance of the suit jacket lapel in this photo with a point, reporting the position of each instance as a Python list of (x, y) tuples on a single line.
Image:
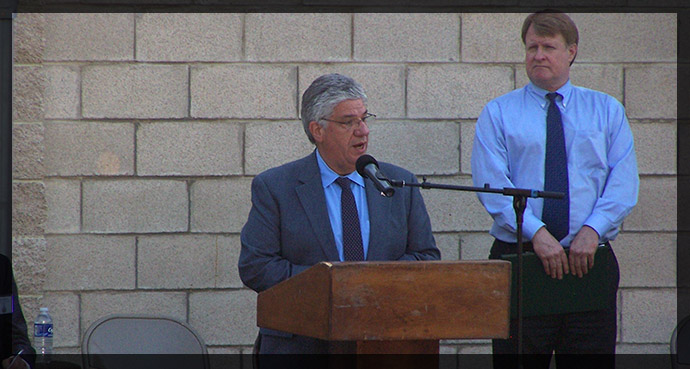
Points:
[(313, 200), (379, 212)]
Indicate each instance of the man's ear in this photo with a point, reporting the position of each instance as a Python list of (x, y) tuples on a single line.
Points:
[(316, 130), (572, 53)]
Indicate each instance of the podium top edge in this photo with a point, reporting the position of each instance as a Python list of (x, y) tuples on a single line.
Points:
[(349, 264)]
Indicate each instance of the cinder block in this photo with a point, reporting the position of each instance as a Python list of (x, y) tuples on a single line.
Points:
[(619, 313), (454, 91), (64, 309), (27, 151), (651, 92), (89, 36), (189, 37), (270, 144), (383, 84), (466, 144), (655, 147), (135, 91), (626, 37), (189, 149), (135, 206), (298, 36), (62, 92), (176, 261), (447, 353), (648, 316), (656, 208), (476, 245), (90, 262), (241, 91), (29, 264), (638, 269), (604, 78), (455, 211), (521, 78), (89, 148), (74, 350), (96, 305), (449, 245), (470, 341), (30, 307), (652, 353), (225, 355), (492, 38), (29, 38), (28, 209), (28, 88), (220, 205), (421, 147), (227, 275), (476, 354), (235, 309), (420, 37), (63, 200)]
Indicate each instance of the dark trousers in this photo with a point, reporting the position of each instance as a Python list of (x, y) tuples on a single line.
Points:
[(579, 340)]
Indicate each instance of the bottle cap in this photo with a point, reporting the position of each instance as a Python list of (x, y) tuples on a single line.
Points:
[(43, 309)]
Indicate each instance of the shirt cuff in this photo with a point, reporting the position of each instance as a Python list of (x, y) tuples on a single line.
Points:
[(530, 226), (599, 223)]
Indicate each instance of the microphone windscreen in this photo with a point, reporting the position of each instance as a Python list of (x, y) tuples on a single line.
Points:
[(363, 161)]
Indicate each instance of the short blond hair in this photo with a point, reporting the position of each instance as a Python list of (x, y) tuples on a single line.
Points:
[(551, 23)]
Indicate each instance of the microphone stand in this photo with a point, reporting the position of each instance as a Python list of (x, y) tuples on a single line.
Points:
[(520, 196)]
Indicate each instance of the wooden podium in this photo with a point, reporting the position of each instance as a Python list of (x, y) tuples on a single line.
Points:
[(391, 307)]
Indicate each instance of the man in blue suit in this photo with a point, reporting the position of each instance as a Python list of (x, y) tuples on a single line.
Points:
[(295, 220)]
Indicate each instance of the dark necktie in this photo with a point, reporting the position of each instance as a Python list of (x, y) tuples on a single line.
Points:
[(556, 211), (352, 236)]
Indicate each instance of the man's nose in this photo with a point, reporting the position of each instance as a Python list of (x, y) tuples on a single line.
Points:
[(363, 129), (539, 53)]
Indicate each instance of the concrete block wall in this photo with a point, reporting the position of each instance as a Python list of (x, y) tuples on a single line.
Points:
[(136, 137)]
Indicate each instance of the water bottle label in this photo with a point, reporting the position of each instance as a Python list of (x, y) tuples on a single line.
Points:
[(43, 330)]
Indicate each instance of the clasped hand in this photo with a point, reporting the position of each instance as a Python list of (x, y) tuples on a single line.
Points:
[(554, 259)]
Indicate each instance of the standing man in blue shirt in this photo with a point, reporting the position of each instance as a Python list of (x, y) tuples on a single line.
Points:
[(555, 136), (299, 218)]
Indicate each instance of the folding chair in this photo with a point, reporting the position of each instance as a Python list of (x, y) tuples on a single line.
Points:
[(142, 341), (680, 345)]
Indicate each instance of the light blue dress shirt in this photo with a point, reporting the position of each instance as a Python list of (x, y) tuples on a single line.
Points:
[(333, 192), (509, 149)]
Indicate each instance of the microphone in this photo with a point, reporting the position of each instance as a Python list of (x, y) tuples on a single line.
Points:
[(368, 167)]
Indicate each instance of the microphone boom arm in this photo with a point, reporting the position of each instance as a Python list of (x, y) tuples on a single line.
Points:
[(487, 188)]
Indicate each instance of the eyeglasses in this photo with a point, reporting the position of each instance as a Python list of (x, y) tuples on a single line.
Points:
[(354, 123)]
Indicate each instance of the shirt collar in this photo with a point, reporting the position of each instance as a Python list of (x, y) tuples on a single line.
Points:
[(540, 94), (328, 176)]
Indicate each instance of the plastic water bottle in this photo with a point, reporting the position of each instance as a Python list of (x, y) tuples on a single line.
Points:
[(43, 336)]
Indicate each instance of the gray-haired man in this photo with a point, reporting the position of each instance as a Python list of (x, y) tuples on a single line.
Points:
[(297, 219)]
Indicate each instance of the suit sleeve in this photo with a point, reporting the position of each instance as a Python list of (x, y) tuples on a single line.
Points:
[(261, 264), (420, 241)]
